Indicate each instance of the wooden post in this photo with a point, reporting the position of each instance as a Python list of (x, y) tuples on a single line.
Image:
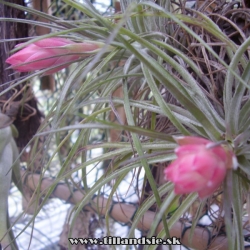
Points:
[(47, 82)]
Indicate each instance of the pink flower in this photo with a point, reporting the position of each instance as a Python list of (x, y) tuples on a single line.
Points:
[(200, 166), (51, 52)]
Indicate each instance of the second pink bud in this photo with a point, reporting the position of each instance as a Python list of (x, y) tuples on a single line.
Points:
[(200, 166)]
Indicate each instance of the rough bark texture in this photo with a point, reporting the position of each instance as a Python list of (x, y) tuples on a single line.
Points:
[(10, 30), (19, 102)]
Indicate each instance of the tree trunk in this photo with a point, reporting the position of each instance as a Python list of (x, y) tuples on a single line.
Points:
[(19, 102)]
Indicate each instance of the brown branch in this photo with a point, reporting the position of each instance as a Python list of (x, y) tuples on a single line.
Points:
[(123, 213)]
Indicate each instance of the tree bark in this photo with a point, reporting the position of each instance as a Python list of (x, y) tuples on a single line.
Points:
[(18, 102)]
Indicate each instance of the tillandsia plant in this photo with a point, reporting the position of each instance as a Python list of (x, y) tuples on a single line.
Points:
[(176, 80)]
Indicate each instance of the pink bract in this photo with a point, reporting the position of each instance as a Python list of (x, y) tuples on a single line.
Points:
[(198, 168), (50, 52)]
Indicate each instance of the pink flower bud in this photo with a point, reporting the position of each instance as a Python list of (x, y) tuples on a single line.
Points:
[(51, 52), (200, 166)]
